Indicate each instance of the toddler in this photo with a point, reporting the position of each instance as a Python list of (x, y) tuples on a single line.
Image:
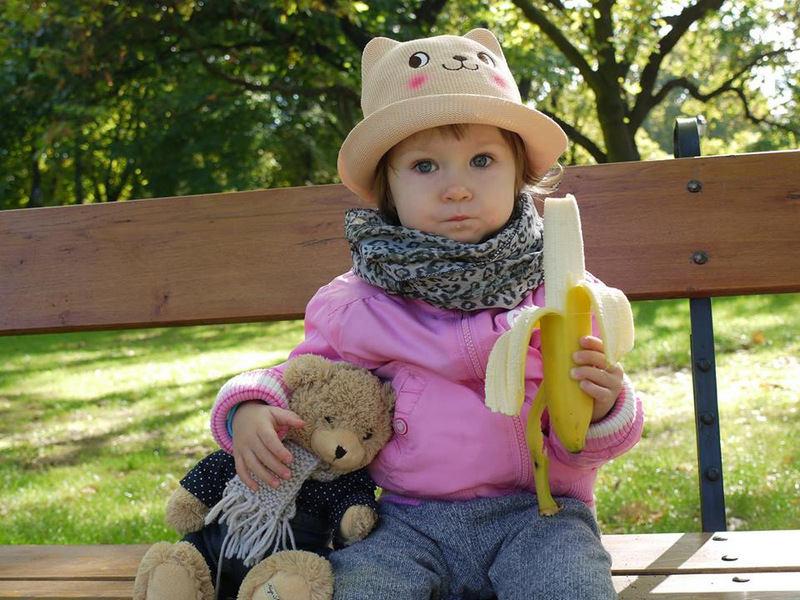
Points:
[(440, 270)]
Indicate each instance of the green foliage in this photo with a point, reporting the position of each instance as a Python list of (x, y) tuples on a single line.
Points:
[(99, 427), (111, 101), (654, 487)]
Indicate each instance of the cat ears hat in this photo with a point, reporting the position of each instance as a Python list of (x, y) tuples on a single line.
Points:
[(411, 86)]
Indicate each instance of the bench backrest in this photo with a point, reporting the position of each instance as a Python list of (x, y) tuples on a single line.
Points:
[(663, 229)]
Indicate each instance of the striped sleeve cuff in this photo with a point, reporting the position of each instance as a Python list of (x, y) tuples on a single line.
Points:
[(263, 384), (618, 423)]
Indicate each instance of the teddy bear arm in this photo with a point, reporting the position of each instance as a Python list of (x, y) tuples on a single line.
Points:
[(201, 488), (354, 511)]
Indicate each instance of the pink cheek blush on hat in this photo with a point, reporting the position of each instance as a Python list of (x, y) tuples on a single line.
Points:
[(417, 81)]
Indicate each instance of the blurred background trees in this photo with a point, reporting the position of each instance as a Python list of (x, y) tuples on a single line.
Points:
[(110, 100)]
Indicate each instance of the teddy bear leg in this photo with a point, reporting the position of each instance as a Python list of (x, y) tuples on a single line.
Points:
[(289, 575), (173, 572)]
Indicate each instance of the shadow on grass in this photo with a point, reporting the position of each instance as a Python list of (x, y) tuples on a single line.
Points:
[(76, 350), (79, 447), (29, 414)]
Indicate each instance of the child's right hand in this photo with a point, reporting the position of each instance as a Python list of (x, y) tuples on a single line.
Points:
[(257, 449)]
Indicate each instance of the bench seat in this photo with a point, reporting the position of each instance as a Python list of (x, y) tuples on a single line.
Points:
[(660, 566)]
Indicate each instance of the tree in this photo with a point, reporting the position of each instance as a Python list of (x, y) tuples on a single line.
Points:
[(109, 101), (618, 60)]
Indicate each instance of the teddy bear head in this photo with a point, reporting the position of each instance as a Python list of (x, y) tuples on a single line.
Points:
[(348, 411)]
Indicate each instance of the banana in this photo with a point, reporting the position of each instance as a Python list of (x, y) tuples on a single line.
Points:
[(570, 301)]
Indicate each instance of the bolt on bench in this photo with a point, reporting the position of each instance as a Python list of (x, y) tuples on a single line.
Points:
[(662, 229)]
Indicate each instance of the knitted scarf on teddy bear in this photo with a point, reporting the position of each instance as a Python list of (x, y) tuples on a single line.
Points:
[(259, 521)]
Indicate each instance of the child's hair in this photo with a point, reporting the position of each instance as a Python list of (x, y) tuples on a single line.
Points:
[(525, 179)]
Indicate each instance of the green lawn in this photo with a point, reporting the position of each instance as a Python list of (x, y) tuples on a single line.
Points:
[(98, 428)]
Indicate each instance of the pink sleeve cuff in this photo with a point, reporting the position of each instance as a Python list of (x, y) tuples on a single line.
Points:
[(617, 425), (617, 433), (263, 384)]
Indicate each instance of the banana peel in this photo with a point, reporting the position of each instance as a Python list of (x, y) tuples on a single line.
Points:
[(570, 301)]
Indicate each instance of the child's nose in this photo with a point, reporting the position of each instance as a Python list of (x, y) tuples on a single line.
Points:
[(457, 192)]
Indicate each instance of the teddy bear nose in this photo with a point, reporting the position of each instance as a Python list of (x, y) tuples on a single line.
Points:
[(460, 58), (340, 452)]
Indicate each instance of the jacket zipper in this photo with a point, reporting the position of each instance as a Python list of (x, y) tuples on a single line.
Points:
[(466, 334), (524, 479), (525, 472)]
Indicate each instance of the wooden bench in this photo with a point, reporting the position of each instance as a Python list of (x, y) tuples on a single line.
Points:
[(688, 228)]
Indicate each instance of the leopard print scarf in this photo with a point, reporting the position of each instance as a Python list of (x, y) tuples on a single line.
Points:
[(497, 273)]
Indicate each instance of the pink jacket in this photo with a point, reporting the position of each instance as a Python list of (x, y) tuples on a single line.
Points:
[(446, 443)]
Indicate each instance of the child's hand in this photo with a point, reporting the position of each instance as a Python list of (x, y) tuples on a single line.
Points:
[(257, 449), (600, 381)]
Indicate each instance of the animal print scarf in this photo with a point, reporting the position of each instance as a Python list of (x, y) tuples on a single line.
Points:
[(497, 273)]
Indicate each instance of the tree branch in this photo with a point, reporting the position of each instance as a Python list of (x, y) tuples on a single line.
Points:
[(644, 105), (256, 86), (579, 138), (603, 34), (558, 5), (537, 17), (694, 92), (681, 25), (428, 12)]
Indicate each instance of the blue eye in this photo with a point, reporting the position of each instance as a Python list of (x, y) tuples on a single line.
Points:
[(481, 161), (424, 166)]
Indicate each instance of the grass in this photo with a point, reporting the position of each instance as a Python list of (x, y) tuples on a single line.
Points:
[(97, 428)]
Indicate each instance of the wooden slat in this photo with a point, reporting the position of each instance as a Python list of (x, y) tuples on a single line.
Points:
[(202, 259), (632, 554), (67, 590), (732, 586), (645, 567), (642, 226), (261, 255), (70, 562), (772, 586), (735, 551), (765, 586)]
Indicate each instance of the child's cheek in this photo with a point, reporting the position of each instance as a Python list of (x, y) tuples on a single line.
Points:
[(416, 82)]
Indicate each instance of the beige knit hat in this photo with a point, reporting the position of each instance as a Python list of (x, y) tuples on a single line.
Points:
[(411, 86)]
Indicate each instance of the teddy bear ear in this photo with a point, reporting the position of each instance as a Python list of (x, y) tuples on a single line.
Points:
[(306, 369)]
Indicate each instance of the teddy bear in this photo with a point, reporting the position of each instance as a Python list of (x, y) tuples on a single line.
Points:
[(269, 544)]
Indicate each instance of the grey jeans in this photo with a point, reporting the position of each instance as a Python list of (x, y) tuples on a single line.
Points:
[(479, 549)]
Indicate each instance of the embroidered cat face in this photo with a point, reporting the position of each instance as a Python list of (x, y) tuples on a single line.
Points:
[(472, 64)]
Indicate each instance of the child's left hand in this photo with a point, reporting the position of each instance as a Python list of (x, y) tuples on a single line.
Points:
[(601, 381)]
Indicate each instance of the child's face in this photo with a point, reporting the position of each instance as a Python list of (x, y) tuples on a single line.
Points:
[(461, 189)]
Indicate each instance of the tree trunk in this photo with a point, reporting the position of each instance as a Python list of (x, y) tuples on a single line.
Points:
[(612, 112), (36, 198), (78, 172), (619, 142)]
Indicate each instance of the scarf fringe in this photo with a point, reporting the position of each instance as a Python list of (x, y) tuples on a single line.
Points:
[(259, 522)]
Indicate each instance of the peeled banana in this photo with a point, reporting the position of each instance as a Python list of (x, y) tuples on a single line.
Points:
[(570, 301)]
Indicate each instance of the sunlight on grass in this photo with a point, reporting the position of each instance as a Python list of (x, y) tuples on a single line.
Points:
[(654, 487), (97, 428)]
